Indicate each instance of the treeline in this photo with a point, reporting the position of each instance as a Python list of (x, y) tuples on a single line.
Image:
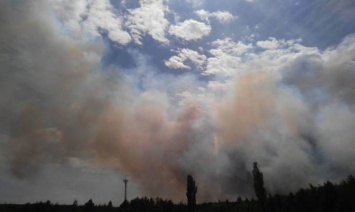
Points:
[(327, 197)]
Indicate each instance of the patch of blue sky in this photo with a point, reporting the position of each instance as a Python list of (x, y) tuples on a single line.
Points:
[(124, 4), (182, 8), (318, 23)]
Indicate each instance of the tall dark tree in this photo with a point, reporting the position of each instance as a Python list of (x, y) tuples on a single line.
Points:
[(259, 186), (110, 204), (329, 197), (74, 206), (89, 206), (191, 194)]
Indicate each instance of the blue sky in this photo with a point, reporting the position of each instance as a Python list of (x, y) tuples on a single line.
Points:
[(153, 90)]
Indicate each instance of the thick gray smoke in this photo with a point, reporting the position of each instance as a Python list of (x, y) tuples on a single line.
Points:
[(295, 118)]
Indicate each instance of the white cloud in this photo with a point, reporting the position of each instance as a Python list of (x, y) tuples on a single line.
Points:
[(226, 57), (271, 43), (275, 59), (229, 57), (101, 15), (222, 64), (194, 56), (190, 30), (98, 15), (177, 61), (228, 46), (148, 19), (221, 16)]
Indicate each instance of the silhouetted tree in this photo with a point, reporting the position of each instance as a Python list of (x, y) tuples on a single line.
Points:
[(89, 206), (346, 195), (110, 204), (329, 197), (259, 186), (74, 206), (239, 200), (191, 193)]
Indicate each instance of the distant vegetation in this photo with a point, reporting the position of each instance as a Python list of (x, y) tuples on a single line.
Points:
[(328, 197)]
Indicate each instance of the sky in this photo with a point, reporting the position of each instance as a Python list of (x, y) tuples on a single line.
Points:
[(92, 92)]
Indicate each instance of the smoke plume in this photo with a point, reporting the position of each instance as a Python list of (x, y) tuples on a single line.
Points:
[(57, 102)]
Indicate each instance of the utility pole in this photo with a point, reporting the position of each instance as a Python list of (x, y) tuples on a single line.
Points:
[(125, 189)]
